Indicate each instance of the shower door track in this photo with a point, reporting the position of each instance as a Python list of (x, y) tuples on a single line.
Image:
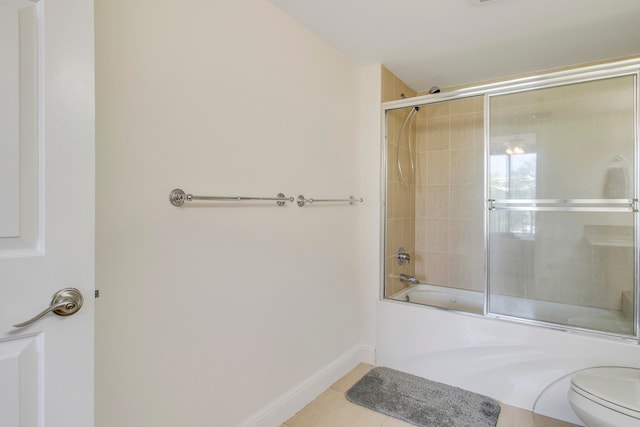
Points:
[(564, 205)]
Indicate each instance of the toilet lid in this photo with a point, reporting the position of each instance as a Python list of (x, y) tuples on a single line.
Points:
[(611, 386)]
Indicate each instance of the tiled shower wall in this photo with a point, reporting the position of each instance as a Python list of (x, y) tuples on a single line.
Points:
[(438, 219), (400, 199), (449, 194)]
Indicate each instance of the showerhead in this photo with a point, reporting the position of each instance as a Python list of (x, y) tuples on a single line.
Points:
[(434, 89)]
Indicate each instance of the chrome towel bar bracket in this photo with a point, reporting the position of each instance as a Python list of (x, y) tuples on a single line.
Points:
[(351, 200), (177, 197)]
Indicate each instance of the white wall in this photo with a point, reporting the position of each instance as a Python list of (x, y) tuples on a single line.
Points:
[(369, 154), (207, 314)]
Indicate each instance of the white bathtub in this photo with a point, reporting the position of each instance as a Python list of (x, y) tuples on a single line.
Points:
[(443, 297), (574, 316), (517, 363)]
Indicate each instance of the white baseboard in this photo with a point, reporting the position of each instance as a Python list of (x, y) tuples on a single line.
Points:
[(280, 410)]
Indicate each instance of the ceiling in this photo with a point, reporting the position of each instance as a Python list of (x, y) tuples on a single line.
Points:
[(451, 42)]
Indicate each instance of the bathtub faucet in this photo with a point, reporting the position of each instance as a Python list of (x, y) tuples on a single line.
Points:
[(405, 278), (403, 256)]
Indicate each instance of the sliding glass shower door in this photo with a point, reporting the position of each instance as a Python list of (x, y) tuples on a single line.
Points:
[(561, 174)]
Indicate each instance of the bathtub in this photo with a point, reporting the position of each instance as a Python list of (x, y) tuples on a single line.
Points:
[(518, 363), (515, 308), (443, 297)]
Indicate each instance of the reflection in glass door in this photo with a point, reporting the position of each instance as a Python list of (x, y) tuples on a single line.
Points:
[(561, 190)]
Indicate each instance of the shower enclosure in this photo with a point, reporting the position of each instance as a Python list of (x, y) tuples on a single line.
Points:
[(522, 202)]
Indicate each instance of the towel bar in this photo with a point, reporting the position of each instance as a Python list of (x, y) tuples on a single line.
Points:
[(177, 197), (351, 200)]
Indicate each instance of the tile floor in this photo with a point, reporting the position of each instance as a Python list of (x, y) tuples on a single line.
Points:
[(332, 409)]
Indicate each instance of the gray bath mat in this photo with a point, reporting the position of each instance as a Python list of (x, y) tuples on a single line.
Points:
[(422, 402)]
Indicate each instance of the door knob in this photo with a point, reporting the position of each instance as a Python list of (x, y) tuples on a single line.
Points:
[(63, 303)]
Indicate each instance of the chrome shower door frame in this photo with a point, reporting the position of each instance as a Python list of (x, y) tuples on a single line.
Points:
[(552, 79)]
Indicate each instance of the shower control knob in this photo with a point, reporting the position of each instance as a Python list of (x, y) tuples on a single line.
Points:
[(403, 257)]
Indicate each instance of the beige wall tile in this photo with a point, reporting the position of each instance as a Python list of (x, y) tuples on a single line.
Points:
[(438, 201), (392, 168), (463, 131), (478, 126), (393, 88), (393, 188), (401, 90), (463, 106), (403, 171), (437, 133), (421, 239), (437, 268), (387, 85), (393, 237), (394, 123), (421, 201), (460, 236), (437, 234), (449, 146), (392, 283), (478, 274), (405, 199), (438, 167), (400, 233), (460, 271), (462, 201), (462, 167), (421, 168), (421, 133), (419, 265), (437, 110)]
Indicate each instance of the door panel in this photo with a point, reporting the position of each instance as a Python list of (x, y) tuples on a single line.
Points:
[(20, 370), (46, 368), (9, 120)]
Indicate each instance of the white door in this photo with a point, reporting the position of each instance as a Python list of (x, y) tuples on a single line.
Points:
[(46, 211)]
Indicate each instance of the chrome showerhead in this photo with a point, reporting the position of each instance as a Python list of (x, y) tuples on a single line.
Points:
[(434, 89)]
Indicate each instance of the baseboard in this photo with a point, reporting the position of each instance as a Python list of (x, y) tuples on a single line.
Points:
[(280, 410)]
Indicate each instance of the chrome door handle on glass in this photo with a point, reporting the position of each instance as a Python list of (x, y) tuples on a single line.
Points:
[(63, 303)]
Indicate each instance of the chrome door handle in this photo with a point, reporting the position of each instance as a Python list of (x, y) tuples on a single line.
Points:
[(63, 303)]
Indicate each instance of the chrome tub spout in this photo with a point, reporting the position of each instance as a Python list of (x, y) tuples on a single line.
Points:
[(405, 278)]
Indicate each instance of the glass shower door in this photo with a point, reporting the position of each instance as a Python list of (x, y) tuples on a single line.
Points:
[(562, 205)]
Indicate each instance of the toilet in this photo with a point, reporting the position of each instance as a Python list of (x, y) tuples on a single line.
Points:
[(606, 397)]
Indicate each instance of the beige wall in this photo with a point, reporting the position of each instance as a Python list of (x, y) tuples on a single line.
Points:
[(208, 314)]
